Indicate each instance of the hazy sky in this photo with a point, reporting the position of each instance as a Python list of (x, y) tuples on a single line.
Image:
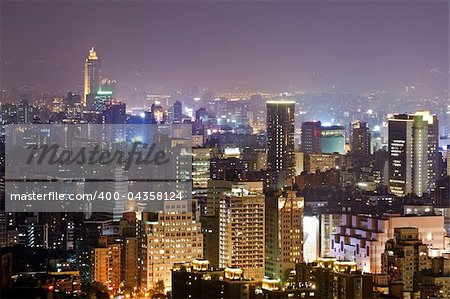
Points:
[(309, 45)]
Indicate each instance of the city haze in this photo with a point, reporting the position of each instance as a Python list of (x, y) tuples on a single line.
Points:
[(153, 46)]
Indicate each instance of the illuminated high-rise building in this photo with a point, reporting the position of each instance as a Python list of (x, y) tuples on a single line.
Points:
[(360, 139), (413, 153), (328, 227), (311, 134), (280, 142), (201, 159), (98, 102), (332, 140), (171, 236), (25, 112), (404, 257), (284, 234), (108, 85), (115, 112), (322, 162), (177, 112), (107, 265), (241, 229), (119, 186), (433, 147), (91, 75), (400, 154), (217, 190)]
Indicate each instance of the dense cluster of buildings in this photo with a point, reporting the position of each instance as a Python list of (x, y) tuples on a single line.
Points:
[(281, 208)]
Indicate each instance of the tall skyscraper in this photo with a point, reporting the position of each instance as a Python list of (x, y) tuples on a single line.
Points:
[(172, 236), (360, 139), (241, 233), (412, 153), (284, 234), (280, 142), (400, 154), (119, 186), (433, 147), (91, 75), (177, 112), (201, 160), (311, 134), (217, 193), (217, 189)]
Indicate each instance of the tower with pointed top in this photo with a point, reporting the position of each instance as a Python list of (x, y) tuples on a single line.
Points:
[(91, 75)]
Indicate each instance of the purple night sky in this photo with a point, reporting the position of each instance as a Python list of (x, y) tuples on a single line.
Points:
[(152, 45)]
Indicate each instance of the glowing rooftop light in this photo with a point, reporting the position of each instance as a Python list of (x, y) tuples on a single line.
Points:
[(104, 92), (281, 102), (92, 54)]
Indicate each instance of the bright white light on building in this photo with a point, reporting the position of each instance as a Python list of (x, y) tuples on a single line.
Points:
[(189, 112), (138, 139), (232, 151), (310, 238)]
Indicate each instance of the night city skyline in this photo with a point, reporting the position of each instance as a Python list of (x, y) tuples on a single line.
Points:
[(224, 149), (355, 47)]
